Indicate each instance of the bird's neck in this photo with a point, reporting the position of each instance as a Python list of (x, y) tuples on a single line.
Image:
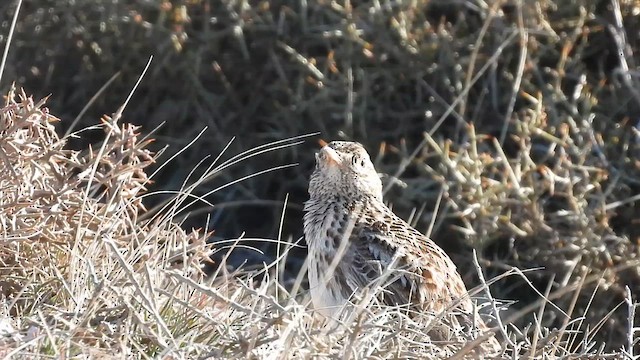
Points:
[(324, 202)]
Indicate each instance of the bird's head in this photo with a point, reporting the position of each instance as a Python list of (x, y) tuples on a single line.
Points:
[(344, 168)]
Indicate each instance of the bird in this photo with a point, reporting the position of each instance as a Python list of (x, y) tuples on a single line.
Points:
[(354, 239)]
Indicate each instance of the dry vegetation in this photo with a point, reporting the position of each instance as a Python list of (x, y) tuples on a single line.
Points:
[(512, 126)]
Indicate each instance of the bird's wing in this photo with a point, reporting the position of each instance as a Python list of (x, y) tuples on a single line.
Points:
[(421, 273), (370, 260)]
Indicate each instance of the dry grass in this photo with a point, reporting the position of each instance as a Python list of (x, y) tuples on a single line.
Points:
[(88, 272)]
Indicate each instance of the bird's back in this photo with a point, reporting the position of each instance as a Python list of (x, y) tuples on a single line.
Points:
[(370, 246)]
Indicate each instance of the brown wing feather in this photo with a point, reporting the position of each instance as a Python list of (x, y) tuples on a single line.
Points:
[(370, 259), (439, 278), (423, 274)]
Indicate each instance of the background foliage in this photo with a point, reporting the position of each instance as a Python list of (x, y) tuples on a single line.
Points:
[(514, 123)]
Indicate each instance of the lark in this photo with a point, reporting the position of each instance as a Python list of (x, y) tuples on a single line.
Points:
[(355, 242)]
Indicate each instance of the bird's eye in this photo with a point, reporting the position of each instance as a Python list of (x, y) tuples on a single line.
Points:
[(359, 162)]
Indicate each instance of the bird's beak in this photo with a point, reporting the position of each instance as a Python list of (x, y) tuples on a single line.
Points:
[(329, 156)]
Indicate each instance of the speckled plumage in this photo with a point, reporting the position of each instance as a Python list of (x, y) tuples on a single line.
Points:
[(353, 238)]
